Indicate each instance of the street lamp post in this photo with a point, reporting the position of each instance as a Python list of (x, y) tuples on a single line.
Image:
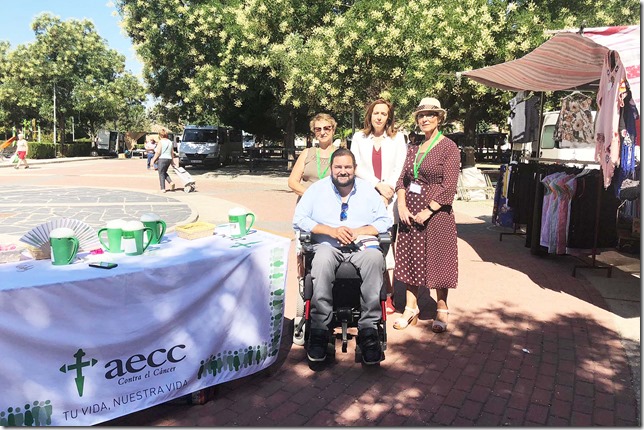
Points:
[(54, 112)]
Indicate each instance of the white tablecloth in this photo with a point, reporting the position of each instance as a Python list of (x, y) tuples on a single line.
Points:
[(82, 345)]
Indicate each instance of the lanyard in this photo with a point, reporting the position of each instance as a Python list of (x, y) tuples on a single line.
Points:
[(317, 161), (431, 145)]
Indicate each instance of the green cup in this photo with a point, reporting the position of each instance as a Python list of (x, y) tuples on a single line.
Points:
[(238, 219), (64, 246), (133, 234), (156, 224), (114, 234)]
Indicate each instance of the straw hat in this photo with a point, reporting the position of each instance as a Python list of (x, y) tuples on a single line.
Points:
[(429, 104)]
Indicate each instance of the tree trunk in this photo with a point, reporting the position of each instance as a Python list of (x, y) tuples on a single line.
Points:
[(289, 139), (469, 127)]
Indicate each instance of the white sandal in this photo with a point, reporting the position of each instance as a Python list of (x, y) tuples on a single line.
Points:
[(402, 323), (440, 326)]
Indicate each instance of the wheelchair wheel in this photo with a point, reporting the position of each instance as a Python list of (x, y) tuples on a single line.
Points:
[(299, 338), (330, 347), (299, 307)]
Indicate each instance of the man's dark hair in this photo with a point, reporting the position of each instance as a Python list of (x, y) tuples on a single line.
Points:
[(340, 152)]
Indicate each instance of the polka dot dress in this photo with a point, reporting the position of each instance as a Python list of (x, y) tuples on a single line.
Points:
[(427, 255)]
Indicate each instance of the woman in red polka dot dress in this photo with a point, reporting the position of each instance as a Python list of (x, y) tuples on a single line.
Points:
[(426, 253)]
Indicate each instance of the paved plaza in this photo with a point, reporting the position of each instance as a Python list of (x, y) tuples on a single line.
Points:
[(528, 344)]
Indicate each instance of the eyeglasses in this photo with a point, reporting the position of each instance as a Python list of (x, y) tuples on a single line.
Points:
[(343, 211), (326, 128), (427, 114)]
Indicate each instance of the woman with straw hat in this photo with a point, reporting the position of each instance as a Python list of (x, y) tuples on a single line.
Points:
[(426, 254)]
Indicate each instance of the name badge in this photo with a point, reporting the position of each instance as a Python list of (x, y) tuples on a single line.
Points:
[(415, 188)]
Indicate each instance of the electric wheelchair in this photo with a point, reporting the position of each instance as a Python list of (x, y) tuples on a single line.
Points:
[(346, 301)]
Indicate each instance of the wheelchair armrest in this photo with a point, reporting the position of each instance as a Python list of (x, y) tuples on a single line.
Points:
[(305, 241), (385, 242), (384, 238)]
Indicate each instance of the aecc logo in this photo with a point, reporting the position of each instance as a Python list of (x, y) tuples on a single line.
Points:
[(118, 368)]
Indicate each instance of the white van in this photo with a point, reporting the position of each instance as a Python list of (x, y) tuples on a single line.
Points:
[(207, 145), (108, 143), (199, 146)]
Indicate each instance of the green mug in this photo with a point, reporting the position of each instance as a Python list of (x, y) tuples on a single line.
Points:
[(133, 238), (156, 224), (238, 219), (114, 234), (64, 246)]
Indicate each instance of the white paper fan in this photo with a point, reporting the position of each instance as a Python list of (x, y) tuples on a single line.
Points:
[(85, 233)]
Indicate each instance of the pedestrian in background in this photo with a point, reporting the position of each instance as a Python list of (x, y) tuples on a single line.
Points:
[(426, 253), (150, 146), (22, 149), (164, 158), (380, 155)]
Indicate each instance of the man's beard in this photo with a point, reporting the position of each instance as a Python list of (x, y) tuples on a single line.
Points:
[(340, 185)]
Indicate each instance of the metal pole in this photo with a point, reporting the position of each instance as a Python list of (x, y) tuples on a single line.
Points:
[(73, 138), (54, 113)]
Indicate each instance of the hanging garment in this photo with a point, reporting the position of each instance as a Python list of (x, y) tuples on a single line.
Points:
[(502, 213), (532, 113), (554, 215), (612, 88), (517, 118), (567, 186), (574, 127), (583, 214), (628, 133)]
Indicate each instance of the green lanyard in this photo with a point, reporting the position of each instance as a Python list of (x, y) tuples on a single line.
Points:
[(431, 145), (317, 160)]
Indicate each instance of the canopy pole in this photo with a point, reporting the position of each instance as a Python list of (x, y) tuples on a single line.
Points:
[(537, 153)]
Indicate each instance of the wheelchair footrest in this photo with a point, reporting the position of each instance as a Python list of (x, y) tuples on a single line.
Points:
[(345, 337)]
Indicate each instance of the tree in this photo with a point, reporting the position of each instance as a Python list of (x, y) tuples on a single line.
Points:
[(229, 60), (71, 63), (265, 65)]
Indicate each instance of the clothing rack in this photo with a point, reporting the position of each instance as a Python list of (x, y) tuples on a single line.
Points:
[(534, 245)]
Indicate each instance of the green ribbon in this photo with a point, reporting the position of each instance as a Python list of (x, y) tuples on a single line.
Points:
[(317, 160), (431, 145)]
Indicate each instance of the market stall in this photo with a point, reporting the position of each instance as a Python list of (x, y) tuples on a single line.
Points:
[(606, 61)]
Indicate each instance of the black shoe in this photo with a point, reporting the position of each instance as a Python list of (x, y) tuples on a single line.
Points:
[(318, 340), (370, 346)]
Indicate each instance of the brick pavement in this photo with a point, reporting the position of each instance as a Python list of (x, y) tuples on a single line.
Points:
[(527, 344)]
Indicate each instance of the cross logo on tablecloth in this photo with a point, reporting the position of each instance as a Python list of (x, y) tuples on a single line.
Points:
[(78, 366)]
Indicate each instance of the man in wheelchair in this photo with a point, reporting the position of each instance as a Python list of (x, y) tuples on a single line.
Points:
[(337, 210)]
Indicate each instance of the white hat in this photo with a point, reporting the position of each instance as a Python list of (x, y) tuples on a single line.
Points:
[(429, 104)]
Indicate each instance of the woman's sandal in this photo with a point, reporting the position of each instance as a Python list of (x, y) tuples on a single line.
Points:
[(440, 326), (402, 323)]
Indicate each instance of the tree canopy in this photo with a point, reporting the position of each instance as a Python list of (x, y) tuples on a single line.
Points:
[(68, 60), (267, 65)]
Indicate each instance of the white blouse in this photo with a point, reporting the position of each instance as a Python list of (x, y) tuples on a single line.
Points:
[(392, 152)]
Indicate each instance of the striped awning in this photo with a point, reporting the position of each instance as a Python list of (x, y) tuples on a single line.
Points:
[(566, 61)]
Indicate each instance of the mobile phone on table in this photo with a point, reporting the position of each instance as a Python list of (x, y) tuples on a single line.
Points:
[(103, 265)]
